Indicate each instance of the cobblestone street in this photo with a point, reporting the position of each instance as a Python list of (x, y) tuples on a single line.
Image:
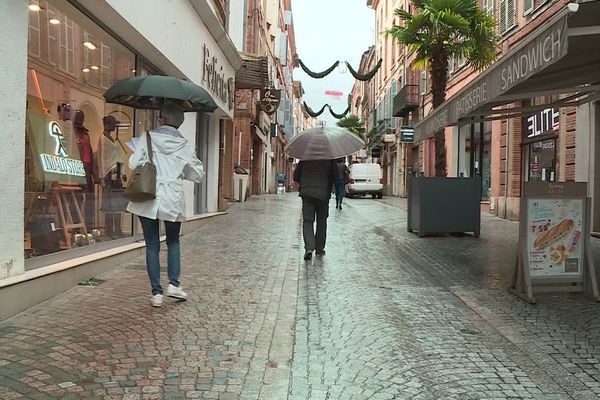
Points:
[(383, 315)]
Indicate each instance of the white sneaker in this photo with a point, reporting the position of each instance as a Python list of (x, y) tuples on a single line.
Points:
[(157, 300), (177, 292)]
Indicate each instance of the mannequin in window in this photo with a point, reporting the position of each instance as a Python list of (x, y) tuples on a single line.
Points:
[(110, 170), (83, 140)]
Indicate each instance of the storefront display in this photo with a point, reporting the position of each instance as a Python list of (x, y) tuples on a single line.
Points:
[(76, 155)]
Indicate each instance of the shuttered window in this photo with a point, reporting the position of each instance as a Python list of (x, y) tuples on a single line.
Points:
[(488, 6), (507, 15)]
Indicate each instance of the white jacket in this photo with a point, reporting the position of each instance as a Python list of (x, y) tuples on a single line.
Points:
[(175, 160)]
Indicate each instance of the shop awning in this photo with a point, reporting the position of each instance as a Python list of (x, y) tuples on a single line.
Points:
[(254, 72), (562, 57)]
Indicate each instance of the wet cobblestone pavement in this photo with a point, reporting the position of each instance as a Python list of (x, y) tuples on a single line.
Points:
[(383, 315)]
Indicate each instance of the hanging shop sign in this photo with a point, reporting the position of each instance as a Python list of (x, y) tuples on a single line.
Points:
[(56, 150), (389, 138), (269, 100), (215, 80), (407, 134)]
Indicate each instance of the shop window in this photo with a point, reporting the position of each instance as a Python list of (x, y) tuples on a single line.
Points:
[(542, 161), (34, 33), (76, 144), (106, 77), (53, 45), (67, 45)]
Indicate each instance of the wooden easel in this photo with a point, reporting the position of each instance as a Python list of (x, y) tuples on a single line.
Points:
[(66, 201)]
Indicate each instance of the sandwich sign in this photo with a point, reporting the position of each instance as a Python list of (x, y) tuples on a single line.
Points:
[(555, 234)]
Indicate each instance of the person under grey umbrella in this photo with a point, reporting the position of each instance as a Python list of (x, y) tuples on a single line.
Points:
[(315, 179)]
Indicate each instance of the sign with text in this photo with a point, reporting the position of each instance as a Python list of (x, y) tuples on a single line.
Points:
[(543, 121), (216, 81), (547, 47), (407, 134), (554, 239), (269, 100), (55, 149)]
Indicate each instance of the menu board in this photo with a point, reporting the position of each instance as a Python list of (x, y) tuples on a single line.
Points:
[(555, 237)]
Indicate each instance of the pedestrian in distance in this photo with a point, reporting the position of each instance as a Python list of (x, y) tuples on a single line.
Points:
[(175, 160), (315, 181), (342, 177)]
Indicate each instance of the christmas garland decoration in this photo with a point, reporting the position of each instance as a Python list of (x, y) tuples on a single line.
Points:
[(366, 77), (314, 114), (338, 116), (310, 112), (317, 75)]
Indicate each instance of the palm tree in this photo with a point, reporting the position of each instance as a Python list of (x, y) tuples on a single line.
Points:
[(439, 31), (354, 125)]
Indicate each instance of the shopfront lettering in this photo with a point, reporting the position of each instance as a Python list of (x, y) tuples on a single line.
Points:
[(439, 121), (471, 99), (61, 165), (547, 120), (215, 79), (536, 57)]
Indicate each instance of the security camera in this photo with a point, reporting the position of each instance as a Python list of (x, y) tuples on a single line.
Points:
[(573, 7)]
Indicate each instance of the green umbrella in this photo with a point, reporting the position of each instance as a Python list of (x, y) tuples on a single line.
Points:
[(151, 91)]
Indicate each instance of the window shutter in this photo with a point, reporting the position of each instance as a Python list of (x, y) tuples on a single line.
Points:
[(511, 14), (503, 22), (488, 6), (527, 6)]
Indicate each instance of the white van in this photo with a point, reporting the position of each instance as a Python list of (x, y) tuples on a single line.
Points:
[(365, 179)]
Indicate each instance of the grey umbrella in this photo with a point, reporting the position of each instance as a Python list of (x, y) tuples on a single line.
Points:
[(151, 91), (324, 143)]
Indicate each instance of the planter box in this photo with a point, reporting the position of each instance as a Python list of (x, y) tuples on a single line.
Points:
[(444, 205)]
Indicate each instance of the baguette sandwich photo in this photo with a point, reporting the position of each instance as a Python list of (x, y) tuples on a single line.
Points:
[(551, 235)]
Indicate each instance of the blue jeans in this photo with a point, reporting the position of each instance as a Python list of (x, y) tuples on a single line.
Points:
[(340, 191), (152, 238)]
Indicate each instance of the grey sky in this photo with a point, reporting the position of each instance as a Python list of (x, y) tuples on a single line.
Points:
[(326, 31)]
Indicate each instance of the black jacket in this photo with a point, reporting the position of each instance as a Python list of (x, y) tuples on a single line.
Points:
[(315, 178)]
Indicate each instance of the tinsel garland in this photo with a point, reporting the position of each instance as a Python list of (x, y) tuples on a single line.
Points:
[(338, 116), (314, 114), (366, 77), (317, 75), (310, 112)]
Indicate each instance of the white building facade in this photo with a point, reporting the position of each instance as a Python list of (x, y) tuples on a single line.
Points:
[(62, 188)]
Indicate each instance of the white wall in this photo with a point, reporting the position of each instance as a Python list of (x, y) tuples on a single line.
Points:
[(13, 70), (188, 130), (237, 22), (177, 31)]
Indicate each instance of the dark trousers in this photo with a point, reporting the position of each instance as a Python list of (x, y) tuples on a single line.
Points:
[(314, 209), (340, 191)]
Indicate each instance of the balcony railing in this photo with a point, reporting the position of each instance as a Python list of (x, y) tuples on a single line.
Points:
[(406, 100)]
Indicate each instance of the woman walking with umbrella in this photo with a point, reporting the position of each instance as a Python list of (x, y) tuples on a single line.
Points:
[(175, 161)]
